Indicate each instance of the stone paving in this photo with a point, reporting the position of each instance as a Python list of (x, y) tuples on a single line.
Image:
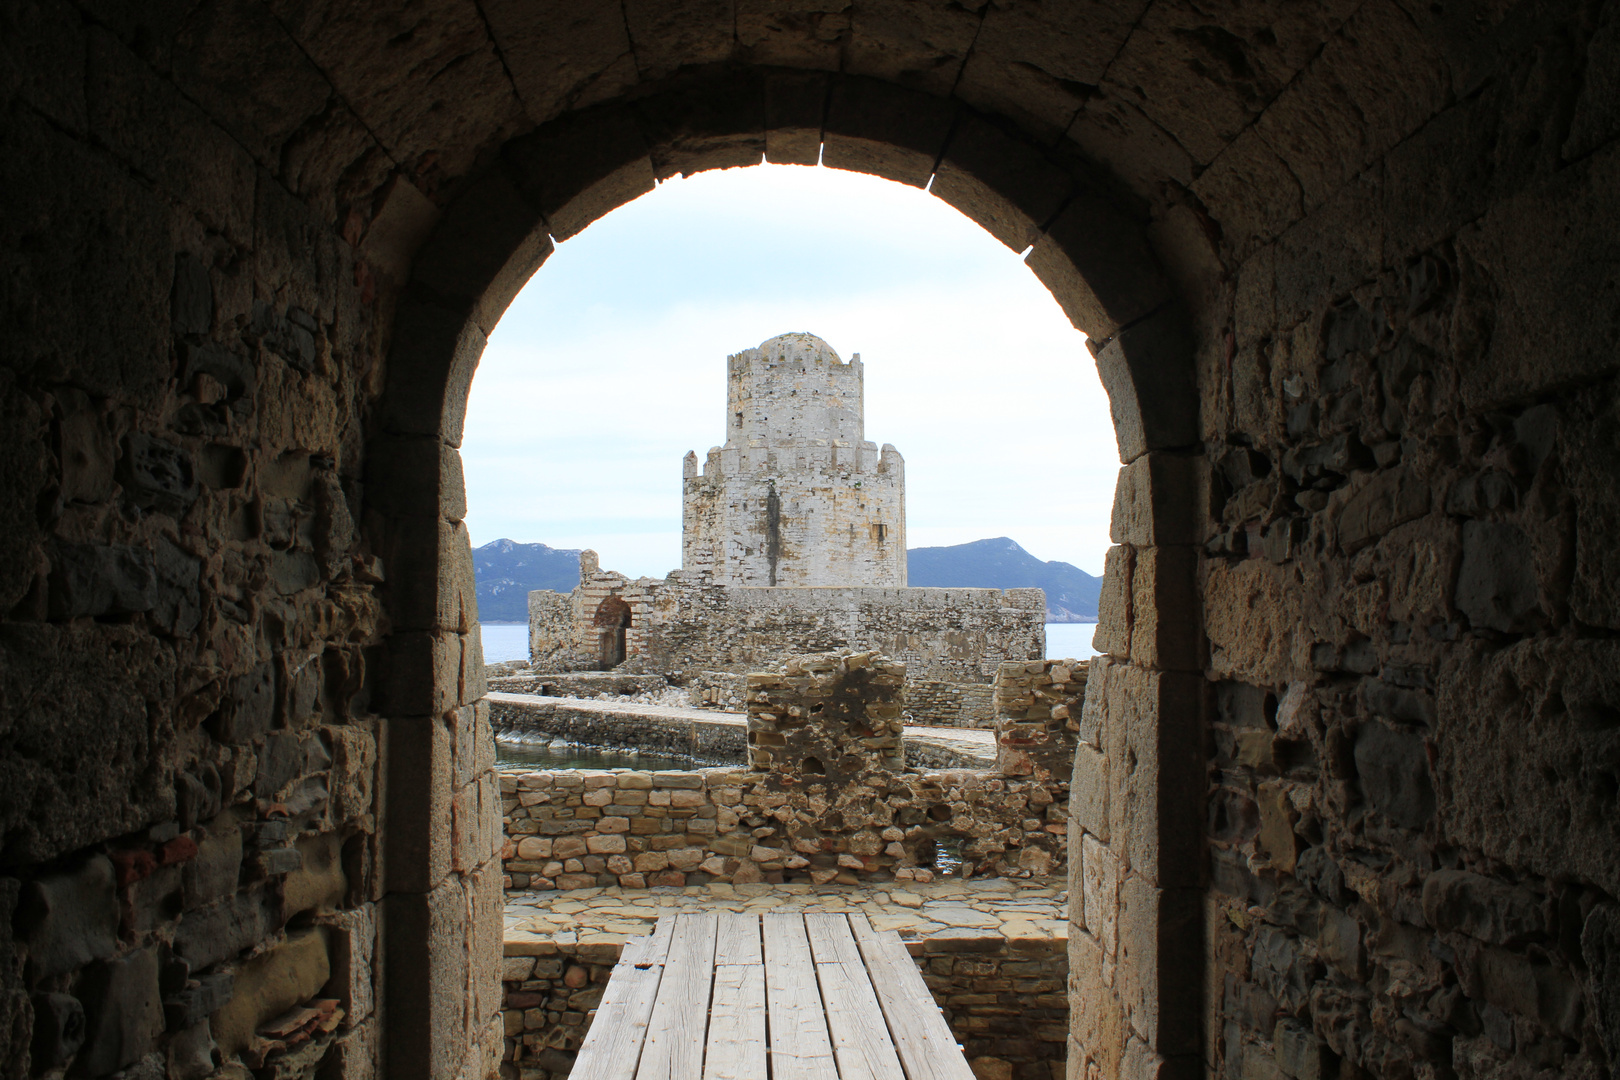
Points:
[(1015, 909)]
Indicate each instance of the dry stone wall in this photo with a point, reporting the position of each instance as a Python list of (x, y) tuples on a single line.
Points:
[(825, 797), (579, 830)]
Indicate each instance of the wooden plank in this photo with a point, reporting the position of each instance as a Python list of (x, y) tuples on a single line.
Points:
[(679, 1024), (737, 940), (736, 1048), (855, 1021), (928, 1049), (801, 1048), (831, 940), (614, 1044)]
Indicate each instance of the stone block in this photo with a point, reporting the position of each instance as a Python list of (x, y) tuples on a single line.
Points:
[(1147, 370), (420, 675), (582, 165), (1001, 182), (1096, 261), (1156, 501), (1600, 948), (1165, 630), (489, 243), (1496, 584), (98, 579), (59, 1030), (1492, 911), (419, 835), (1300, 1054), (123, 1014), (319, 883), (269, 984), (416, 477), (1099, 884), (430, 367), (221, 930), (1089, 792), (1158, 929), (714, 125), (351, 939), (1114, 605), (1394, 770), (427, 957), (68, 919), (795, 102), (885, 130)]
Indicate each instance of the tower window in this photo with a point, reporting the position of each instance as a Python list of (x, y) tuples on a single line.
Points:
[(880, 532)]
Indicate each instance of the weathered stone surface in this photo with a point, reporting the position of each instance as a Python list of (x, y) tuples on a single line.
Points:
[(122, 1012), (270, 984), (68, 919)]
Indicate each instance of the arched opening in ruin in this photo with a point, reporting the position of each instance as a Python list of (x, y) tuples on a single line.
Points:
[(1085, 241), (612, 621)]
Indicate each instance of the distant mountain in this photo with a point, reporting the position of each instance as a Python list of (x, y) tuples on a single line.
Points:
[(1071, 593), (506, 571)]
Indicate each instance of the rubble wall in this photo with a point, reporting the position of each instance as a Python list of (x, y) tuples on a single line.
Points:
[(950, 635), (581, 830)]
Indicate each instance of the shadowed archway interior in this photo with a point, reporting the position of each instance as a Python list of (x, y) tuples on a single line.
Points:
[(1344, 800)]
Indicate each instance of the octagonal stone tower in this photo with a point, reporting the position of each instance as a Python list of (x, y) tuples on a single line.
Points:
[(797, 496)]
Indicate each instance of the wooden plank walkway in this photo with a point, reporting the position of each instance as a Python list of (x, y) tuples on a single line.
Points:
[(770, 997)]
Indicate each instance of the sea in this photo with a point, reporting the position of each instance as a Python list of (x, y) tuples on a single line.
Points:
[(1064, 641)]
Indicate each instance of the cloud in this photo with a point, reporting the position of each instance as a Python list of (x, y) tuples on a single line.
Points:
[(610, 365)]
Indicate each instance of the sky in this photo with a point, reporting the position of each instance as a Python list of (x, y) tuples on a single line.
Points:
[(610, 365)]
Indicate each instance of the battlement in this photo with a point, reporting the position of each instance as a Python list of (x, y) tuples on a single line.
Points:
[(792, 387)]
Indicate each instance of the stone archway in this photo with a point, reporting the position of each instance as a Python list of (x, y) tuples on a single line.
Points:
[(1087, 243), (612, 620)]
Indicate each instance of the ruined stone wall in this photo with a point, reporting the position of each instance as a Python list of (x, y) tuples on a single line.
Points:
[(580, 830), (827, 719), (949, 635), (935, 703), (797, 496), (1037, 725), (575, 631)]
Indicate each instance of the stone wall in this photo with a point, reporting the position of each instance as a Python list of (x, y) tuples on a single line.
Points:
[(1038, 708), (206, 295), (550, 994), (686, 623), (797, 496), (954, 635), (583, 684), (577, 830), (519, 718), (935, 703), (827, 719)]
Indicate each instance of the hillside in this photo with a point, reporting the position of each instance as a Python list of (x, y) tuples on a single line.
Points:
[(507, 571), (1071, 593)]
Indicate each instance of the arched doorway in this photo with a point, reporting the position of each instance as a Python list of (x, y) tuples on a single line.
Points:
[(611, 621), (1086, 240)]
